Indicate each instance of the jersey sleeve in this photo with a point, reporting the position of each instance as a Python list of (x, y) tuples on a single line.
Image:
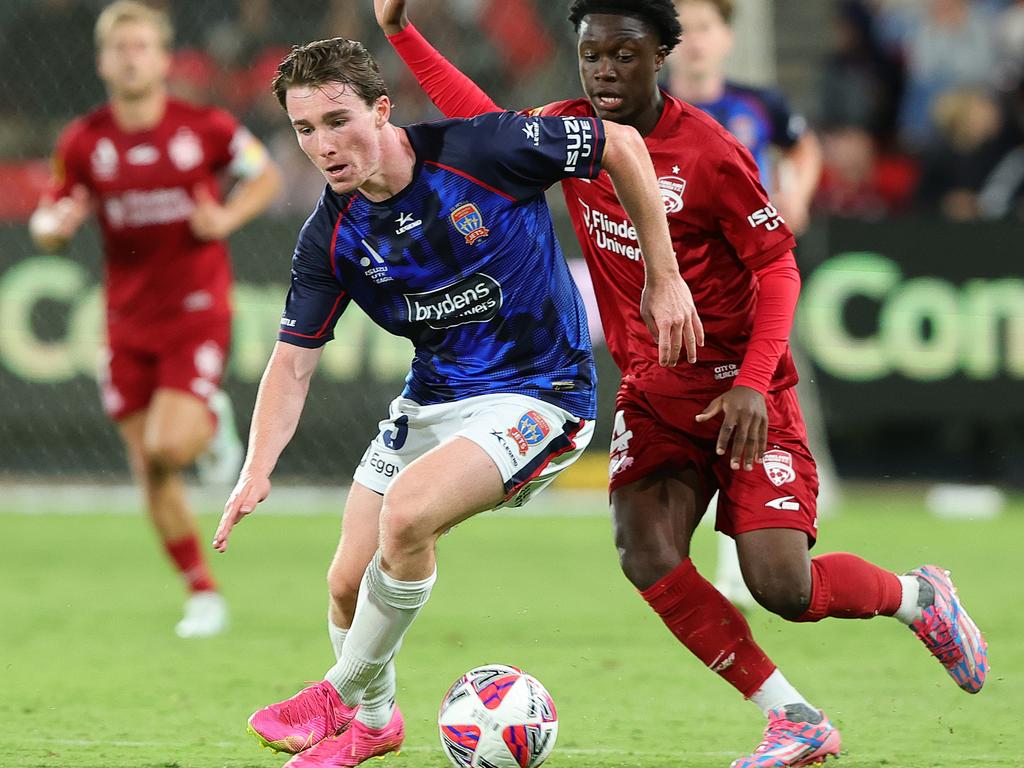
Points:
[(233, 147), (67, 166), (744, 214), (787, 126), (455, 94), (316, 299), (521, 155)]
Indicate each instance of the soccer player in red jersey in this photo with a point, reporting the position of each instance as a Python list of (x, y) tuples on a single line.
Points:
[(731, 422), (788, 154), (148, 165)]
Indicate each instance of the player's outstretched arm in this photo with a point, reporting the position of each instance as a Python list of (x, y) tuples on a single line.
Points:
[(667, 306), (279, 403), (55, 222), (451, 91)]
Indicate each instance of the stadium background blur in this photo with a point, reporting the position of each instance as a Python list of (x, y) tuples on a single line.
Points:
[(912, 312)]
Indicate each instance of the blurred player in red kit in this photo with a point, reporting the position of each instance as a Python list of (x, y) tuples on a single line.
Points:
[(148, 166), (788, 154), (731, 422)]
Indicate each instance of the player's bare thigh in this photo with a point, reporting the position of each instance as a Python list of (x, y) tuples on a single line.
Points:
[(360, 537), (133, 430), (178, 427), (654, 519), (443, 487)]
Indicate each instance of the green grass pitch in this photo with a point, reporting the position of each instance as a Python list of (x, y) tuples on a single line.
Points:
[(92, 676)]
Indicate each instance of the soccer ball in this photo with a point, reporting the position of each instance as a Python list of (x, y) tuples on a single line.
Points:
[(497, 716)]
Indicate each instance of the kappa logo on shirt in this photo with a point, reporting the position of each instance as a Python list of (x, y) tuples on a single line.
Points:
[(405, 222), (532, 131)]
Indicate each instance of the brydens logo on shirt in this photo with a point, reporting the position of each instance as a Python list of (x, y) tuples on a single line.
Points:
[(473, 299)]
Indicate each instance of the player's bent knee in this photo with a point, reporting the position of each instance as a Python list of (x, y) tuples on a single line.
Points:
[(786, 598), (645, 567), (169, 455), (403, 528), (343, 589)]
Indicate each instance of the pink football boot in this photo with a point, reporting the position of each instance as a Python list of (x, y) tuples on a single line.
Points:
[(355, 745), (793, 743), (948, 631), (295, 724)]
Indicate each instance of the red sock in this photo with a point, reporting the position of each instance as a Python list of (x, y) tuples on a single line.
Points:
[(189, 560), (845, 586), (710, 626)]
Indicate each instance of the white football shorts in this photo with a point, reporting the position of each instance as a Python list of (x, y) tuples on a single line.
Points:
[(529, 440)]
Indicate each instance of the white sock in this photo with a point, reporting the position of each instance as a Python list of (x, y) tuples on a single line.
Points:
[(385, 609), (777, 692), (909, 611), (337, 635), (379, 700)]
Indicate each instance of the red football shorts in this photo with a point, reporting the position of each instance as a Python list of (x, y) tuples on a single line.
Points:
[(188, 357), (654, 433)]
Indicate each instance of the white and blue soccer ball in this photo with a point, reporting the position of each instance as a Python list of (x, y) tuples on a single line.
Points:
[(497, 716)]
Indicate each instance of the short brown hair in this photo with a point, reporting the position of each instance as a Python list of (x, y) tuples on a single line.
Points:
[(132, 10), (331, 61), (725, 8)]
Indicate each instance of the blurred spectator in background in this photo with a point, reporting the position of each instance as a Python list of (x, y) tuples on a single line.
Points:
[(974, 137), (862, 180), (1009, 31), (862, 82), (786, 151), (951, 44)]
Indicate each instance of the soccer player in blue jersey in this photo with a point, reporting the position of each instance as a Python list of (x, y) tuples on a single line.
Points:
[(761, 118), (440, 232)]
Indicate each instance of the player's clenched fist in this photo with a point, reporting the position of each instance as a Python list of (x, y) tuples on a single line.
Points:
[(668, 310), (55, 222), (248, 492), (391, 15)]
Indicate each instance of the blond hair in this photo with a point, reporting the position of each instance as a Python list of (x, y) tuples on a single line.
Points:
[(133, 11)]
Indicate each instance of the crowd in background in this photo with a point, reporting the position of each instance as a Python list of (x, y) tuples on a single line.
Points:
[(920, 106)]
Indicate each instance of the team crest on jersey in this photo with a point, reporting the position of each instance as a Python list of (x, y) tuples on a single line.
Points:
[(470, 222), (185, 150), (531, 429), (104, 159), (672, 188), (778, 465)]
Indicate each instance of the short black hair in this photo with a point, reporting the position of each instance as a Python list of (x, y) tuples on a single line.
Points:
[(660, 15)]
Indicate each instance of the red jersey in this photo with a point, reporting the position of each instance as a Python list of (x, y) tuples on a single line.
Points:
[(722, 227), (157, 271)]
